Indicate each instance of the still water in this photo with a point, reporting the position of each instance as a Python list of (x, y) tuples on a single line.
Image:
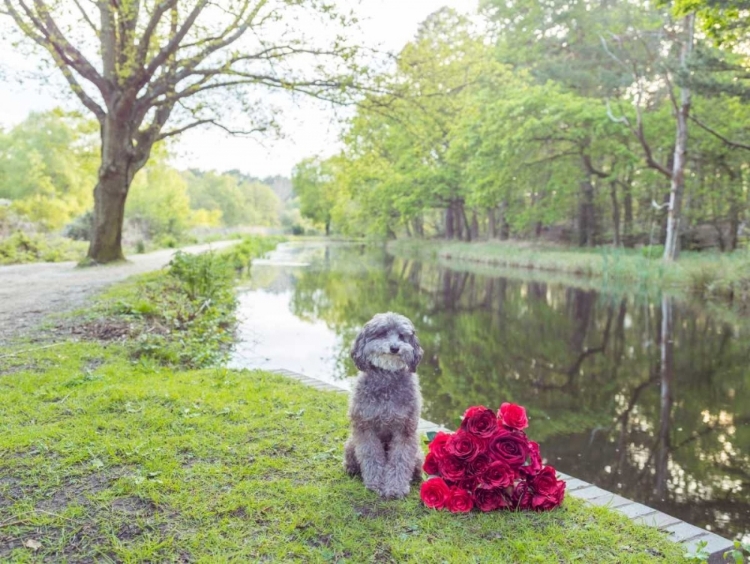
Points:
[(646, 398)]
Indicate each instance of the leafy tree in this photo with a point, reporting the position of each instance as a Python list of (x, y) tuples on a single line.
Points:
[(313, 182), (159, 202), (140, 66), (47, 164), (262, 204)]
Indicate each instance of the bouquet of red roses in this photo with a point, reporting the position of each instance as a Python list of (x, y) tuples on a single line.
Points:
[(490, 464)]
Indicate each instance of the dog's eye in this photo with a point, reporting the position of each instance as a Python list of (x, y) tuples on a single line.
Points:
[(401, 337)]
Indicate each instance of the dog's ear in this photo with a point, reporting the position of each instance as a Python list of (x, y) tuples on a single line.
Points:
[(358, 350), (418, 352)]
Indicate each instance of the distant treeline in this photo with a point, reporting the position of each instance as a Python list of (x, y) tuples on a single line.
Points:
[(48, 167), (554, 119)]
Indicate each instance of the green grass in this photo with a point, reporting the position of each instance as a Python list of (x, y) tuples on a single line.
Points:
[(724, 277), (106, 459)]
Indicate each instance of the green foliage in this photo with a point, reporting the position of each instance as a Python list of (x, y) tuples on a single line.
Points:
[(22, 248), (80, 228), (652, 251), (238, 201), (313, 183), (158, 202), (48, 167), (205, 277), (240, 255), (532, 131), (700, 554), (738, 552)]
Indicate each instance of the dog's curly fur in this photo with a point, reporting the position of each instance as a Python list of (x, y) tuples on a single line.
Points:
[(384, 447)]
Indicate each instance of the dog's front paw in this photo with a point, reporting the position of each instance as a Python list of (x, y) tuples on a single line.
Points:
[(395, 491)]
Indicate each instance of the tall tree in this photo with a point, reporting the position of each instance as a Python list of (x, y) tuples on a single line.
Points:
[(139, 65)]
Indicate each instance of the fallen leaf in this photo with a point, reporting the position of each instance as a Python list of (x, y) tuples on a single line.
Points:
[(32, 544)]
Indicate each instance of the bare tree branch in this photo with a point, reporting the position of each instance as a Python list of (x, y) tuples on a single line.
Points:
[(57, 42), (59, 60), (174, 42), (733, 144), (148, 33), (86, 18), (215, 123), (108, 40)]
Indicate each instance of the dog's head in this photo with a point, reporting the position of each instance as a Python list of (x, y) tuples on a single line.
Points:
[(387, 341)]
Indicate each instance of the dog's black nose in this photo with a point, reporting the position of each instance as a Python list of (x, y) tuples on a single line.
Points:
[(394, 349)]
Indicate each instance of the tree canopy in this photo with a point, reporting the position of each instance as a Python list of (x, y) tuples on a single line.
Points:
[(606, 124)]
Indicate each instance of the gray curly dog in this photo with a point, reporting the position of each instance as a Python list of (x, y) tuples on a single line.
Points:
[(384, 446)]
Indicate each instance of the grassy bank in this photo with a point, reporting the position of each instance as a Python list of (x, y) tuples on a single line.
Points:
[(706, 275), (115, 451), (109, 459)]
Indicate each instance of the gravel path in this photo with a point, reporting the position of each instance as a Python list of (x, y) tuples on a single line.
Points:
[(29, 292)]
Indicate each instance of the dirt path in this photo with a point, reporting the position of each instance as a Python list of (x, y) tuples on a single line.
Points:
[(29, 292)]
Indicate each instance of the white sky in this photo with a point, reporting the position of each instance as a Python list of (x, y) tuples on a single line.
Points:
[(309, 128)]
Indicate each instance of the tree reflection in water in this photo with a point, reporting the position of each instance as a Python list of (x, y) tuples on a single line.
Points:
[(646, 398)]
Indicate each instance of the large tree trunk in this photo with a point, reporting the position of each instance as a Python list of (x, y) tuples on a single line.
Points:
[(627, 204), (116, 172), (586, 215), (466, 226), (449, 222), (418, 224), (504, 224), (491, 224), (474, 225), (677, 183), (615, 213), (109, 213)]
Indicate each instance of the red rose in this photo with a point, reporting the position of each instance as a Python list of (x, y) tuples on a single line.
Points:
[(490, 499), (498, 475), (548, 491), (463, 446), (460, 501), (480, 422), (510, 447), (469, 483), (452, 468), (534, 463), (513, 416), (522, 496), (430, 465), (477, 466), (435, 493), (437, 444)]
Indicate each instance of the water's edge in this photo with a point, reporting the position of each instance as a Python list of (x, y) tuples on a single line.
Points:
[(689, 536)]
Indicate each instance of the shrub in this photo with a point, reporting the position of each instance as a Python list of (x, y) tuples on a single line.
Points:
[(652, 251), (203, 276), (81, 227), (240, 255), (23, 248)]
